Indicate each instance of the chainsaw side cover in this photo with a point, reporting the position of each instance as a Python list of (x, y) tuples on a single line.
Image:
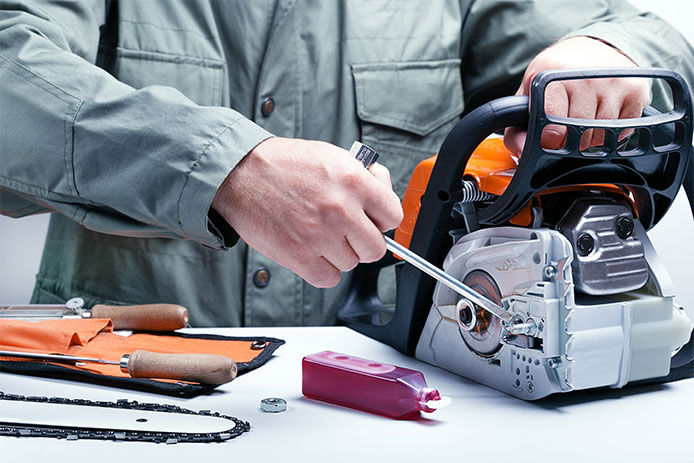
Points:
[(579, 344)]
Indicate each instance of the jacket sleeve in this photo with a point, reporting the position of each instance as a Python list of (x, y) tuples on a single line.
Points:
[(73, 139), (500, 38)]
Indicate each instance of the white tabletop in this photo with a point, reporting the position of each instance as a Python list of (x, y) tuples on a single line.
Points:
[(649, 423)]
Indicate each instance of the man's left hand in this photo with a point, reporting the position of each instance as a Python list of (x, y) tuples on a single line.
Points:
[(609, 98)]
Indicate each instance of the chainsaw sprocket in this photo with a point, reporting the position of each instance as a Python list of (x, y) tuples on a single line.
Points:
[(485, 336)]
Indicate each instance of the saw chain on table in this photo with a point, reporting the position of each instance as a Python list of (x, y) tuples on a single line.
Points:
[(140, 423)]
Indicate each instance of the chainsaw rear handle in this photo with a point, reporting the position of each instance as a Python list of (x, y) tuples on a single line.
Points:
[(653, 174)]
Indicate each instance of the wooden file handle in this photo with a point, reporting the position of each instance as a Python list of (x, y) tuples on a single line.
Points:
[(148, 317), (200, 368)]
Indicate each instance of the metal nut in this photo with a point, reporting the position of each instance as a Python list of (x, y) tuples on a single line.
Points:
[(625, 227), (467, 314), (273, 405), (584, 244)]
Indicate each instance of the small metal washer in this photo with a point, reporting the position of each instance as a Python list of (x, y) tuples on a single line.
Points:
[(273, 405)]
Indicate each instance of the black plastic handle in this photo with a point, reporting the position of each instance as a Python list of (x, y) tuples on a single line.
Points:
[(652, 172)]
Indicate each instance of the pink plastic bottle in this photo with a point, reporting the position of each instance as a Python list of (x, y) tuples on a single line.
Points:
[(367, 385)]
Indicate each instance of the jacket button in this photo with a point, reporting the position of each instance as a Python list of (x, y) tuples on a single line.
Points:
[(267, 107), (261, 277)]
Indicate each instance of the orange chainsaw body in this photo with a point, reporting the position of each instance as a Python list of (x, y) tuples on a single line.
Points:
[(492, 167)]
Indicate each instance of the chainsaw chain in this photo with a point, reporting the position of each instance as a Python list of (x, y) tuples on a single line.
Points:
[(142, 436)]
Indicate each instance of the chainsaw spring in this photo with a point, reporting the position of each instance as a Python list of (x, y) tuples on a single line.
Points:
[(471, 193)]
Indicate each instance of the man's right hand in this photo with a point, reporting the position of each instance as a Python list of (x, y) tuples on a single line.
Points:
[(310, 207)]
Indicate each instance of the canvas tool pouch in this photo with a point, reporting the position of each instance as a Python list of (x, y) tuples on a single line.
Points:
[(95, 338)]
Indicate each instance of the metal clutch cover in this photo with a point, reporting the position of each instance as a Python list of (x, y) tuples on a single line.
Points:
[(580, 342)]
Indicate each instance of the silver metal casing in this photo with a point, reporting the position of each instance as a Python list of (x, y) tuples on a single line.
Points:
[(615, 264), (579, 344)]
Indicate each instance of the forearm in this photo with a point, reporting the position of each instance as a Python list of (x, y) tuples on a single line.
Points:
[(500, 38), (75, 140)]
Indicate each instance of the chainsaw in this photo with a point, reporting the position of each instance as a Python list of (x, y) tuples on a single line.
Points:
[(565, 289)]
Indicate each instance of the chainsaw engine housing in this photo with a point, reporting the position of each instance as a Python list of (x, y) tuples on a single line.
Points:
[(581, 341)]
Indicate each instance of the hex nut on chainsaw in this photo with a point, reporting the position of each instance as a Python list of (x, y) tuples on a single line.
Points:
[(625, 227), (585, 244)]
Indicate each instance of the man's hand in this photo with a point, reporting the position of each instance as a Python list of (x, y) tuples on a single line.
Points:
[(310, 207), (617, 98)]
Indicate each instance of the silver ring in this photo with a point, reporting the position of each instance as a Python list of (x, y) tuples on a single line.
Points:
[(461, 305), (273, 405)]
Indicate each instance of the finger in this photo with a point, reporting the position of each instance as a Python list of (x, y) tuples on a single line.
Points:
[(583, 104), (382, 173), (318, 272), (341, 255), (514, 139), (556, 104), (608, 109), (636, 97), (524, 88), (630, 109), (366, 240), (381, 205)]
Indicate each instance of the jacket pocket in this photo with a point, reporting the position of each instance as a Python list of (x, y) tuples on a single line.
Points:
[(200, 79), (406, 109)]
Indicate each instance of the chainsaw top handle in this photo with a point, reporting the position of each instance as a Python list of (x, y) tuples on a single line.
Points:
[(652, 171)]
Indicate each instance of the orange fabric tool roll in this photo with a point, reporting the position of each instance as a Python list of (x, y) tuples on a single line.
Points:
[(95, 338)]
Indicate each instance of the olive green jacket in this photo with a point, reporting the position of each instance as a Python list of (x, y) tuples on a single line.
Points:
[(124, 117)]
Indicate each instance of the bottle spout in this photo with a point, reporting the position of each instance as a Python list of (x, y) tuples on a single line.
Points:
[(430, 400)]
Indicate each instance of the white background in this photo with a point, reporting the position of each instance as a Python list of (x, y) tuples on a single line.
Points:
[(21, 240)]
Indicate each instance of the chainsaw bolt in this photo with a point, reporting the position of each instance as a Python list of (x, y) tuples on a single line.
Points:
[(550, 271), (625, 227), (584, 244)]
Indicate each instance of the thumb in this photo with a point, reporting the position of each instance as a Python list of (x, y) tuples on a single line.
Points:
[(514, 139)]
